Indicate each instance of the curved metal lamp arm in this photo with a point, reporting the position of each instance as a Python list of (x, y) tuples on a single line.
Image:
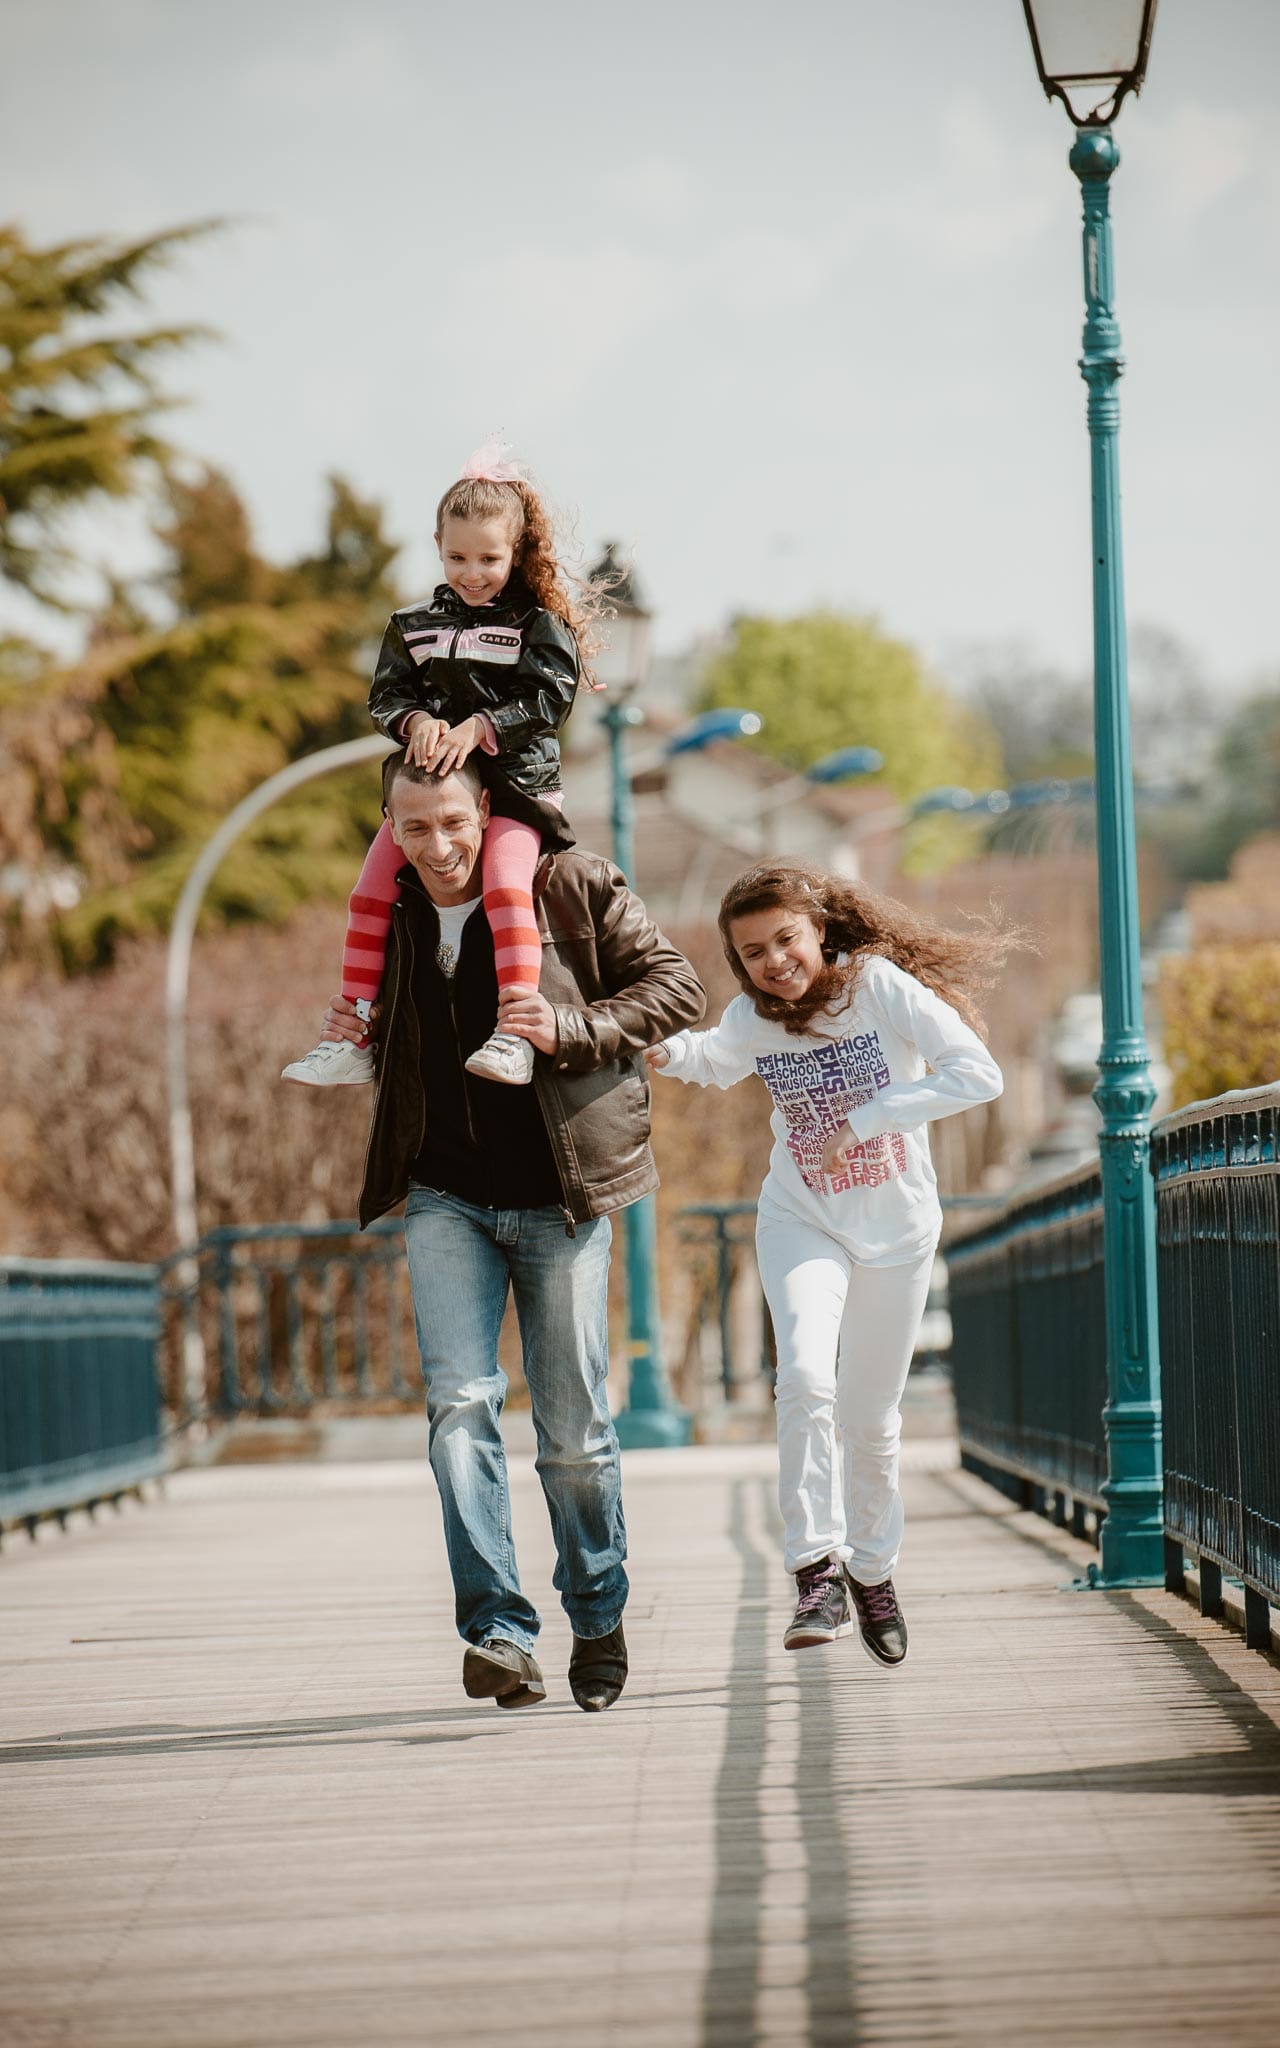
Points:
[(178, 965), (1102, 116)]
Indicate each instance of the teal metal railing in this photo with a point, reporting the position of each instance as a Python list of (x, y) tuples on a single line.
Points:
[(720, 1237), (1029, 1347), (103, 1365), (1217, 1174), (80, 1418), (282, 1317)]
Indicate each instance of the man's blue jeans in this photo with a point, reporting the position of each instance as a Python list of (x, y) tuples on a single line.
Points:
[(463, 1261)]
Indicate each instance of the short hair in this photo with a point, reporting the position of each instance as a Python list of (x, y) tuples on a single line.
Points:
[(398, 767)]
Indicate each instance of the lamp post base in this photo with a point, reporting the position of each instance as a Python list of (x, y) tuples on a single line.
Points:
[(654, 1429), (1097, 1580)]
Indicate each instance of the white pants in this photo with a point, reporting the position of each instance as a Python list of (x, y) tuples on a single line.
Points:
[(845, 1335)]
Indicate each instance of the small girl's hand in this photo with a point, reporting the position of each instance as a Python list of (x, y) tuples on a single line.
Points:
[(835, 1148), (425, 734), (657, 1056), (453, 744)]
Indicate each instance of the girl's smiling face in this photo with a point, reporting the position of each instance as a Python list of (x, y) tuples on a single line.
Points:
[(477, 555), (780, 949)]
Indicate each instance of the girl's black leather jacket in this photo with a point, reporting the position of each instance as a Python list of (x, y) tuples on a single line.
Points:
[(512, 660)]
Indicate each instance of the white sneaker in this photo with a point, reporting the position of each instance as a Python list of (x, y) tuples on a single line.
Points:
[(503, 1058), (334, 1063)]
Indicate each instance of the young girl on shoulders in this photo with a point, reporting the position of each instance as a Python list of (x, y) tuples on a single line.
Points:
[(859, 1018), (491, 661)]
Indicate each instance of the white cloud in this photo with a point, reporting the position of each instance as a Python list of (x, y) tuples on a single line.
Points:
[(980, 200), (655, 192), (1199, 154), (362, 69)]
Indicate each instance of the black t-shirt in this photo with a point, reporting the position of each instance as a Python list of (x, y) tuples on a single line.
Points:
[(485, 1142)]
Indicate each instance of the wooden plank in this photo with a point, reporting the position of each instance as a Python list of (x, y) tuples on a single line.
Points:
[(246, 1802)]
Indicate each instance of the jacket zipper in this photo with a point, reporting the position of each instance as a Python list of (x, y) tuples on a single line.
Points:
[(388, 1024), (462, 1071)]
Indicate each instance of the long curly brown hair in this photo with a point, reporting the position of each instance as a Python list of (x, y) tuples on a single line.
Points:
[(533, 539), (856, 922)]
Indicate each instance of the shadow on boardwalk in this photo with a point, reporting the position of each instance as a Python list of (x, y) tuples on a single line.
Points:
[(246, 1802)]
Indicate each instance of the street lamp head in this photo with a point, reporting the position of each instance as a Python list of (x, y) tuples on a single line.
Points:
[(616, 580), (623, 659), (844, 764), (949, 798), (1095, 50), (725, 723)]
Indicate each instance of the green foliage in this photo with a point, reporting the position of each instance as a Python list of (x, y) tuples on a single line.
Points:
[(826, 681), (166, 725), (193, 687), (79, 399), (1220, 1005)]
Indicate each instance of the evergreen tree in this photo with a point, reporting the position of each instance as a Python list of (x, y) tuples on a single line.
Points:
[(79, 400), (193, 686), (119, 767)]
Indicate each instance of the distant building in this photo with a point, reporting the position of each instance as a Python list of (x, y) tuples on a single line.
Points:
[(700, 818)]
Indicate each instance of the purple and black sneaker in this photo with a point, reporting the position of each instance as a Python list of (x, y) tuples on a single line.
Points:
[(881, 1622), (822, 1609)]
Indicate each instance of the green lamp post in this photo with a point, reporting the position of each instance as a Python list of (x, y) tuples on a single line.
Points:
[(1091, 54), (651, 1418)]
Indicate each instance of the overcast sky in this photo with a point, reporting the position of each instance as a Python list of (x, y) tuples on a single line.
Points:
[(787, 297)]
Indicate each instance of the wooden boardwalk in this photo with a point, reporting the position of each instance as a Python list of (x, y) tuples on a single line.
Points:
[(245, 1802)]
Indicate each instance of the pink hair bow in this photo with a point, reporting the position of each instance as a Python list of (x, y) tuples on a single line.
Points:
[(488, 465)]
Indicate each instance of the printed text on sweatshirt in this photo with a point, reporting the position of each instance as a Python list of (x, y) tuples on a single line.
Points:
[(889, 1062)]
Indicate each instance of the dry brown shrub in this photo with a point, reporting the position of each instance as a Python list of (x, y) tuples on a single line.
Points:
[(1247, 906), (1221, 1007), (86, 1134)]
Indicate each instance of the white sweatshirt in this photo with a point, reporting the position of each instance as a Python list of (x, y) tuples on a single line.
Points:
[(893, 1058)]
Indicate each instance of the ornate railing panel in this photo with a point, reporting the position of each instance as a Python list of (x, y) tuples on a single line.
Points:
[(720, 1237), (1217, 1170), (289, 1316), (1029, 1344)]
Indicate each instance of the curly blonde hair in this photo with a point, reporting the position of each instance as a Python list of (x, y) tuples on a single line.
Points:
[(533, 538), (857, 922)]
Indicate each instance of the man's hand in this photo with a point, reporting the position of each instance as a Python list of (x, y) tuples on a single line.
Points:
[(423, 734), (657, 1056), (835, 1148), (453, 744), (341, 1021), (527, 1014)]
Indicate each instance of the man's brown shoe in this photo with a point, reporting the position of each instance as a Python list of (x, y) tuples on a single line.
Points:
[(501, 1671), (598, 1670)]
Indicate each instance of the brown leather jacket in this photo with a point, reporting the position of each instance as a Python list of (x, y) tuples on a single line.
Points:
[(616, 986)]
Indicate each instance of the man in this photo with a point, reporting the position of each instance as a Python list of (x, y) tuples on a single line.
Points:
[(510, 1190)]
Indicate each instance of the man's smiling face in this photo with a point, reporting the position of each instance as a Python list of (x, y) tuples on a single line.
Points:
[(439, 826)]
